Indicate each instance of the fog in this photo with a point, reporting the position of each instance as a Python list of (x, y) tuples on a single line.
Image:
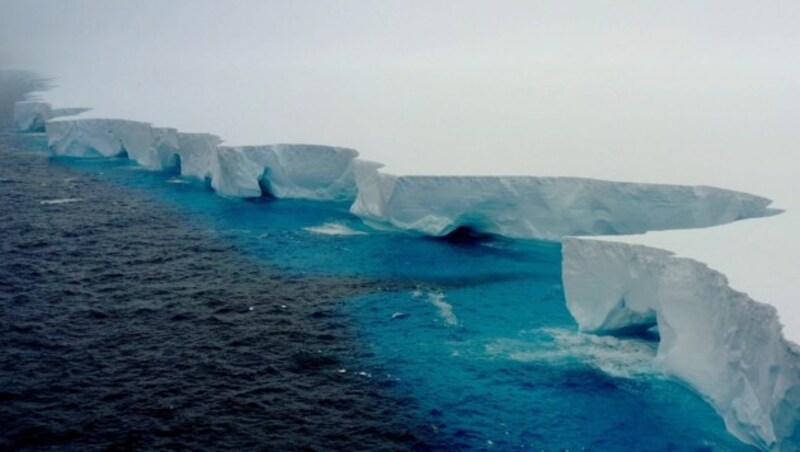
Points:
[(686, 92)]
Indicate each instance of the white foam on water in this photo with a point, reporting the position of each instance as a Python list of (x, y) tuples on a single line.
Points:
[(48, 202), (178, 180), (445, 309), (616, 357), (333, 229)]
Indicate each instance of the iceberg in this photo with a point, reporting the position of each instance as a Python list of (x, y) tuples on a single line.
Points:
[(723, 343), (547, 208), (197, 154), (281, 170), (153, 148), (166, 150), (286, 171), (96, 137), (31, 116)]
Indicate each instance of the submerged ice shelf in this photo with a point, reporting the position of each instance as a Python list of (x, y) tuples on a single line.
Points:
[(748, 371)]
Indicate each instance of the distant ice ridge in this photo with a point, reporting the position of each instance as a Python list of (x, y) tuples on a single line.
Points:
[(729, 347), (541, 207), (282, 170), (30, 116)]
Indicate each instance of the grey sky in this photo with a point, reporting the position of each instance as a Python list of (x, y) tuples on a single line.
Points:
[(653, 91)]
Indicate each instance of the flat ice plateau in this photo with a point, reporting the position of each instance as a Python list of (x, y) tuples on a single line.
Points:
[(703, 289)]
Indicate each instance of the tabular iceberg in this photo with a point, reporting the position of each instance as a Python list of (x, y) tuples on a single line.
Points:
[(197, 153), (31, 116), (729, 347), (283, 170), (155, 148), (286, 171), (97, 137), (542, 207)]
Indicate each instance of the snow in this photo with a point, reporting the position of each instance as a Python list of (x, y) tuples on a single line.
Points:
[(722, 342), (546, 208)]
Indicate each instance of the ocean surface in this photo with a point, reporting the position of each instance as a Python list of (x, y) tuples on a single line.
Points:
[(138, 310)]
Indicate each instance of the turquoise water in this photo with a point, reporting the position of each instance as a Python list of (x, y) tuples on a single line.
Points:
[(477, 334)]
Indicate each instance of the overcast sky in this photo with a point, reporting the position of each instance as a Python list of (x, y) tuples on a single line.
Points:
[(692, 92)]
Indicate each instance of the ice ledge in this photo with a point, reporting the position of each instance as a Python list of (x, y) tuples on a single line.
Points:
[(286, 171), (546, 208), (283, 171), (31, 116), (727, 346)]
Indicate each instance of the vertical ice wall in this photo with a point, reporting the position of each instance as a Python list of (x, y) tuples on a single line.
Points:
[(286, 171), (727, 346), (31, 116), (282, 170), (542, 207)]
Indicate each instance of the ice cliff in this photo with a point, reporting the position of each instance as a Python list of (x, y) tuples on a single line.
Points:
[(30, 116), (286, 171), (541, 207), (727, 346), (282, 170)]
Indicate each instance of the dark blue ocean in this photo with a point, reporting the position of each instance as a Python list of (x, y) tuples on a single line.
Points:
[(138, 310)]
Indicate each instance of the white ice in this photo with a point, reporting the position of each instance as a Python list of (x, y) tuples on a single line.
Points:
[(546, 208), (30, 116), (720, 341), (282, 170), (286, 171)]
